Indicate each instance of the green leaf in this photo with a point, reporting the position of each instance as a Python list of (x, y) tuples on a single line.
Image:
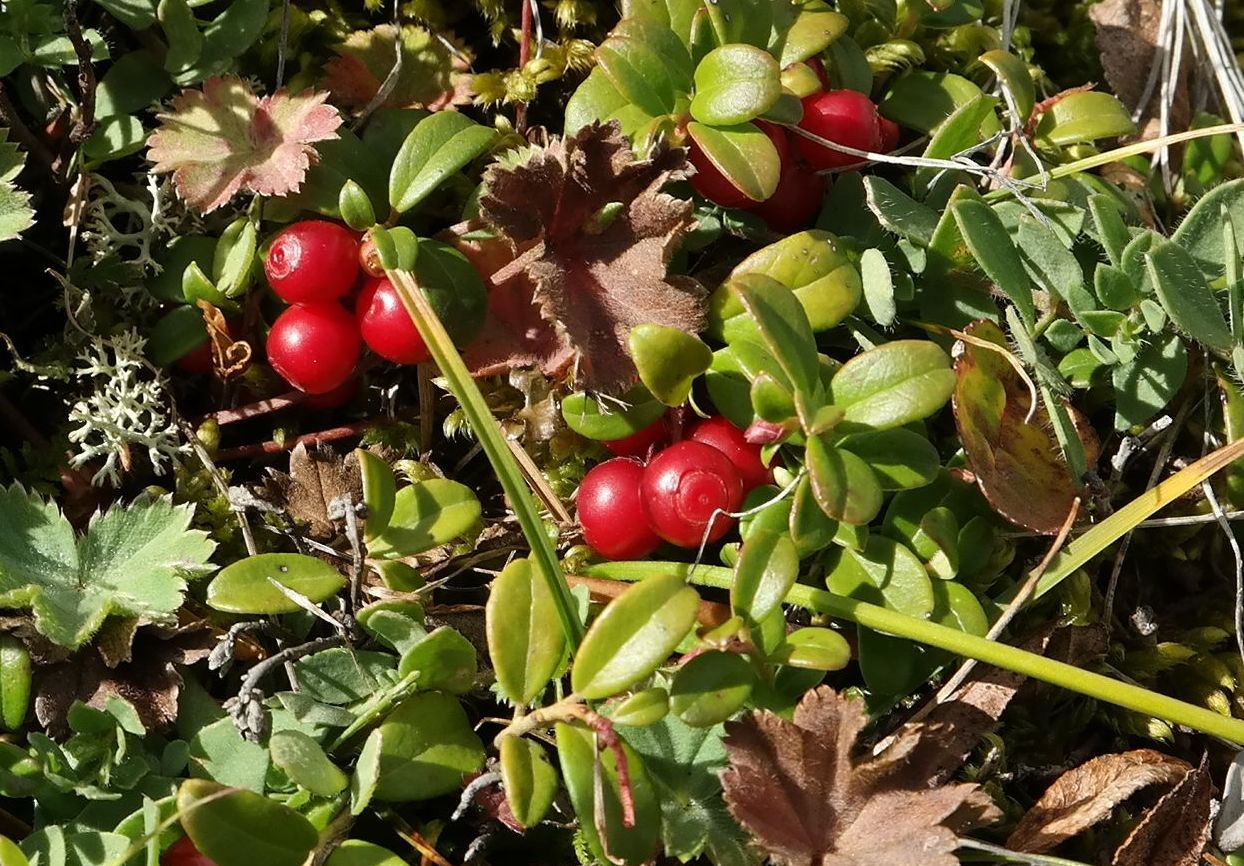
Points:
[(673, 50), (668, 360), (306, 765), (879, 298), (16, 214), (922, 100), (133, 561), (340, 676), (885, 573), (900, 458), (1200, 232), (734, 84), (115, 137), (1080, 118), (1111, 230), (396, 622), (816, 26), (816, 649), (710, 688), (218, 752), (15, 679), (638, 72), (134, 14), (445, 661), (177, 333), (844, 486), (893, 384), (899, 212), (181, 32), (228, 35), (356, 852), (250, 585), (426, 747), (529, 780), (576, 750), (1187, 298), (453, 287), (426, 514), (234, 257), (936, 542), (767, 568), (10, 854), (355, 207), (782, 327), (366, 773), (241, 828), (55, 846), (524, 651), (633, 636), (959, 132), (743, 154), (605, 422), (379, 491), (440, 145), (595, 100), (812, 264), (1144, 386), (642, 708), (1016, 80), (994, 251)]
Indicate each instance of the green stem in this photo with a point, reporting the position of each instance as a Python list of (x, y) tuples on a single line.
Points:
[(970, 646), (463, 387)]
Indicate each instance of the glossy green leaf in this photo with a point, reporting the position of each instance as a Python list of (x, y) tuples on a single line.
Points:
[(732, 375), (1079, 118), (595, 100), (425, 515), (356, 852), (994, 251), (818, 649), (637, 71), (398, 576), (771, 400), (355, 207), (710, 688), (304, 762), (453, 287), (1187, 298), (1015, 78), (115, 137), (642, 708), (241, 828), (844, 486), (135, 14), (616, 419), (524, 651), (734, 84), (427, 746), (10, 854), (782, 327), (1144, 386), (445, 661), (529, 780), (248, 585), (177, 333), (893, 384), (1200, 232), (936, 542), (922, 100), (743, 154), (767, 568), (811, 529), (181, 32), (668, 360), (379, 491), (742, 21), (366, 773), (397, 248), (225, 37), (396, 622), (900, 458), (234, 258), (15, 680), (440, 145), (577, 752), (878, 282), (886, 573), (633, 636), (959, 132), (815, 28), (899, 212), (132, 83)]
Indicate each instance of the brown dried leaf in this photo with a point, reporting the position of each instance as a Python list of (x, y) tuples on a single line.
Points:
[(230, 357), (1087, 795), (592, 274), (316, 477), (797, 787), (1127, 32), (1017, 462), (1174, 831)]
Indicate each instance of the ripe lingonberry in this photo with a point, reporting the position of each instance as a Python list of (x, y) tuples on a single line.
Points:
[(314, 347), (184, 853), (796, 202), (682, 489), (841, 116), (385, 325), (610, 512), (639, 443), (198, 360), (312, 261), (729, 440), (334, 399), (890, 134), (709, 181)]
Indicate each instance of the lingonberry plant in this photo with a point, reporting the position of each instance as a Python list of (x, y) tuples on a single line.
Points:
[(706, 431)]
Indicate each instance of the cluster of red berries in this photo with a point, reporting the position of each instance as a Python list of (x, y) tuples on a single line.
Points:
[(315, 267), (653, 491), (842, 116)]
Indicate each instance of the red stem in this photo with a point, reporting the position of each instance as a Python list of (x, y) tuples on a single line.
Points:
[(524, 54), (262, 449), (610, 740), (255, 410)]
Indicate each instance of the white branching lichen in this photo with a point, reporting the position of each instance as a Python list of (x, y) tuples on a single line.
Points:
[(124, 409)]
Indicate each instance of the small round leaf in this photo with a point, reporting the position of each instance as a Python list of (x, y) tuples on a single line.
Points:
[(247, 586), (241, 828), (668, 361), (529, 779), (711, 688), (426, 514), (735, 83), (302, 759)]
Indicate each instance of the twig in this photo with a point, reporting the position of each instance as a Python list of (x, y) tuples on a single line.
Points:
[(257, 409), (390, 81), (249, 697), (538, 482), (86, 76), (427, 405), (524, 55), (262, 449), (479, 783), (283, 45)]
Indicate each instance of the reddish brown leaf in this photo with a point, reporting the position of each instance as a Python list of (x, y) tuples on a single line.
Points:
[(1017, 463), (1174, 831), (593, 272), (1127, 35), (316, 477), (432, 76), (797, 787), (230, 357), (1087, 795)]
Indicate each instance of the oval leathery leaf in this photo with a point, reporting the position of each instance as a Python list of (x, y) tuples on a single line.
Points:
[(426, 747), (426, 514), (818, 649), (15, 679), (767, 568), (237, 827), (304, 762), (251, 585), (710, 688), (525, 652), (529, 779), (379, 491), (642, 708)]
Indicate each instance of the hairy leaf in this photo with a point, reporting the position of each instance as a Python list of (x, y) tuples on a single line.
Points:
[(224, 139), (16, 215), (594, 234), (432, 76)]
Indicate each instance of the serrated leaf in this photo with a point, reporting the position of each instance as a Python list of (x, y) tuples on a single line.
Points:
[(16, 214), (132, 561), (224, 139)]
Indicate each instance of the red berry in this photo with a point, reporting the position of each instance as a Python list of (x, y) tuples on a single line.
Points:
[(334, 399), (841, 116), (385, 325), (709, 182), (198, 360), (684, 486), (796, 202), (314, 347), (639, 443), (312, 261), (610, 511), (890, 134), (184, 853), (819, 68), (729, 440)]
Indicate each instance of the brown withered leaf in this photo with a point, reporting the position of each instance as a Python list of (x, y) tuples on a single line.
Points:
[(593, 271), (1174, 831), (1127, 33), (149, 679), (230, 357), (1017, 462), (316, 477), (800, 790), (1086, 795)]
